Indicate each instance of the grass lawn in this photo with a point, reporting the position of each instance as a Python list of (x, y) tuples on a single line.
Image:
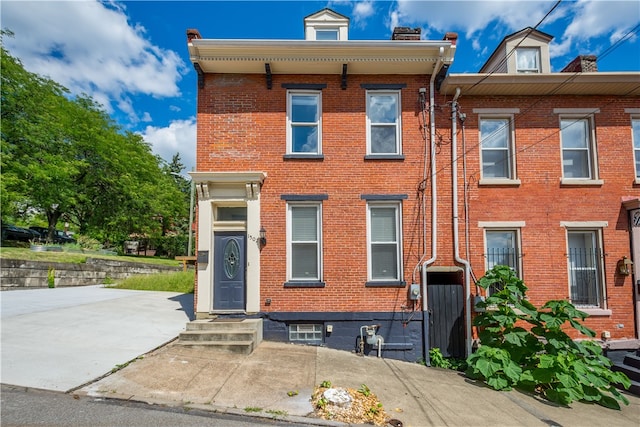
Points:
[(77, 257), (181, 281)]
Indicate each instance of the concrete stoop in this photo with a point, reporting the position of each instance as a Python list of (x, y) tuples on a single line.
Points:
[(630, 366), (240, 336)]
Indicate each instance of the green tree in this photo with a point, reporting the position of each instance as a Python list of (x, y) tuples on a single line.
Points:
[(65, 157)]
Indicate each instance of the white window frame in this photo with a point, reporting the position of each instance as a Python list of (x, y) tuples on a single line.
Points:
[(397, 123), (510, 148), (331, 30), (635, 140), (536, 68), (517, 247), (397, 206), (567, 120), (596, 234), (291, 124), (290, 242)]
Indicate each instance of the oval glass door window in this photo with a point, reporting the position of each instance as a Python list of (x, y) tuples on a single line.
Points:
[(231, 259)]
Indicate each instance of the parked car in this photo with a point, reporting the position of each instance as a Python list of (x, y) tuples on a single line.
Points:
[(13, 232), (59, 236)]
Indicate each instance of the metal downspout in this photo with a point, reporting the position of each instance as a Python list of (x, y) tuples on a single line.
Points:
[(434, 209), (456, 240)]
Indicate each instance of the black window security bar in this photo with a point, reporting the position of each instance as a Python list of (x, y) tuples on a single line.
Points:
[(584, 276), (502, 256)]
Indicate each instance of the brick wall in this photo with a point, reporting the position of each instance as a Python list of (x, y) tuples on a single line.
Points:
[(242, 127)]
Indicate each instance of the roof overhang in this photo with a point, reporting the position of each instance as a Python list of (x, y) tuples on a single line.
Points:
[(598, 83), (319, 57)]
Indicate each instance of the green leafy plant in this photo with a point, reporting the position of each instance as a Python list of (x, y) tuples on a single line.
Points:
[(364, 390), (437, 359), (252, 409), (542, 357), (325, 384), (277, 412), (322, 402), (292, 393), (51, 277), (375, 409)]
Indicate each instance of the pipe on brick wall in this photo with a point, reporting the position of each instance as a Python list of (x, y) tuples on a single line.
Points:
[(434, 208), (456, 239)]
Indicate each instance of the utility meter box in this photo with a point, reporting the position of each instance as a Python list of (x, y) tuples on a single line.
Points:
[(414, 291)]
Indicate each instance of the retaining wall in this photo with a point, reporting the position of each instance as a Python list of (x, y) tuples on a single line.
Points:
[(20, 274)]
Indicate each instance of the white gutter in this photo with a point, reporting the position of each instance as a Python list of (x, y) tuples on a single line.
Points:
[(456, 242), (434, 209)]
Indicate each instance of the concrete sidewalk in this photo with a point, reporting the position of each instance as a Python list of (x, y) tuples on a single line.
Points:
[(411, 393), (62, 338)]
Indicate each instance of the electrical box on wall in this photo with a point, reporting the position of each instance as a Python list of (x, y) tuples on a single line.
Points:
[(414, 292), (203, 257)]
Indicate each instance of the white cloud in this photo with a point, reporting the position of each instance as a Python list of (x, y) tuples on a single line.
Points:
[(578, 27), (596, 18), (90, 47), (178, 137), (362, 11), (471, 17)]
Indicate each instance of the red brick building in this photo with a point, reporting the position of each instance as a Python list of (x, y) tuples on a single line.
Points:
[(352, 187)]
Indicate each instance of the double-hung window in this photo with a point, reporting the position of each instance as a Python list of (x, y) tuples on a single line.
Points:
[(304, 232), (635, 129), (585, 268), (304, 122), (502, 247), (579, 157), (496, 148), (383, 123), (384, 241), (528, 60)]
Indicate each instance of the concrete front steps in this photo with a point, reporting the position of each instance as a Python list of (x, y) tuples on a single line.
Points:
[(239, 336), (630, 366)]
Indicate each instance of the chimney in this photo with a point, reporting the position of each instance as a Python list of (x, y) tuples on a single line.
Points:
[(451, 37), (192, 33), (406, 33), (582, 64)]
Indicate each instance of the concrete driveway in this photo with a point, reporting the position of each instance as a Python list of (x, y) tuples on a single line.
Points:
[(62, 338)]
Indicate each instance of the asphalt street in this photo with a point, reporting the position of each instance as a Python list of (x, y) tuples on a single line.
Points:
[(61, 338)]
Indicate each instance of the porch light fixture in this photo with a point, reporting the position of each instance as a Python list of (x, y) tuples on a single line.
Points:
[(625, 266), (263, 236)]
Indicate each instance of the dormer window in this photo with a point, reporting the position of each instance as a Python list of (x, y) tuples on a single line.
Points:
[(327, 34), (528, 60), (326, 25)]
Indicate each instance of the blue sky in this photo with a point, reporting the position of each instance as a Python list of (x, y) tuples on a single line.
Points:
[(131, 56)]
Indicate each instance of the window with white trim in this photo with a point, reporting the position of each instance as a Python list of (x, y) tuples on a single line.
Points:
[(304, 231), (578, 148), (635, 130), (304, 122), (383, 123), (502, 247), (384, 231), (585, 268), (496, 147), (528, 60), (327, 34)]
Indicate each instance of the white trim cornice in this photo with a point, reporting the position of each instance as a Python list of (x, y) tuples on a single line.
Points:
[(319, 57), (228, 177)]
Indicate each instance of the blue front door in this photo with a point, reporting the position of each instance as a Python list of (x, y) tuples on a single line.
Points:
[(229, 291)]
